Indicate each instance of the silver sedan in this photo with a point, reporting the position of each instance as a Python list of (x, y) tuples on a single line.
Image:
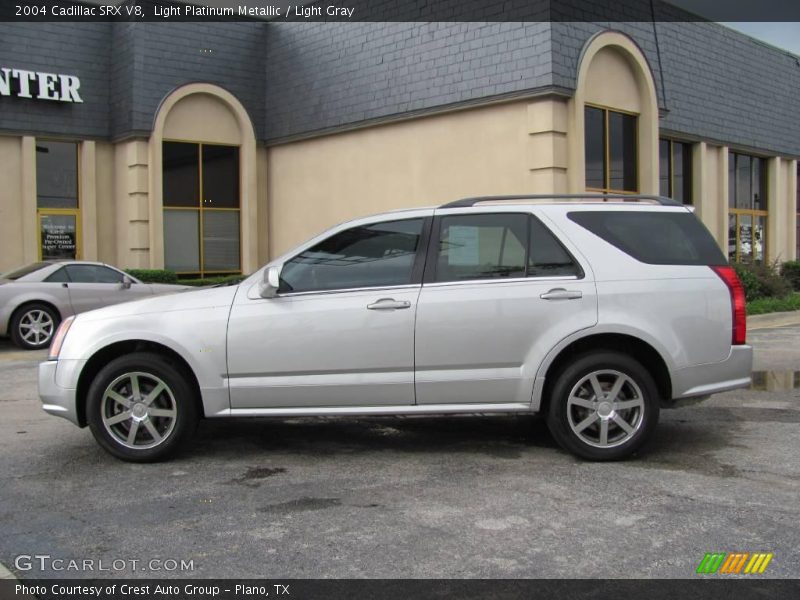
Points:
[(35, 298)]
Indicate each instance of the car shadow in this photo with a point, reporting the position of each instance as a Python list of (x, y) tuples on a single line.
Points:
[(498, 436)]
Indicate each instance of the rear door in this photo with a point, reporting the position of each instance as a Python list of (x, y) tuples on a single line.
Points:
[(499, 291)]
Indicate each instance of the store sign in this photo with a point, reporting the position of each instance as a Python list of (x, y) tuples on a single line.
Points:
[(58, 235), (39, 86)]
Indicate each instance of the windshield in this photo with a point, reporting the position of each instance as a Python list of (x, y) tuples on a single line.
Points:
[(22, 271)]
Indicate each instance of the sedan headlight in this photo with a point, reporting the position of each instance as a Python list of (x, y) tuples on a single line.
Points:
[(58, 339)]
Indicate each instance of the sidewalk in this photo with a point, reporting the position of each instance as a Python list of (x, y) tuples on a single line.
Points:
[(770, 320)]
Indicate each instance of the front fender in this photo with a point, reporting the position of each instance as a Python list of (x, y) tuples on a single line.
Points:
[(196, 335)]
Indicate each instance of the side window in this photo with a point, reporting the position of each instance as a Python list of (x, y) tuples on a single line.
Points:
[(92, 274), (482, 246), (499, 245), (377, 255), (59, 276), (657, 238), (547, 257)]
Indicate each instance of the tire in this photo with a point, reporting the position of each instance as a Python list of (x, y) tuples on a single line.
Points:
[(123, 422), (613, 428), (34, 325)]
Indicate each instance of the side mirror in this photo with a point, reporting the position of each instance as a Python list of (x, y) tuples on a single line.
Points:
[(127, 282), (271, 282)]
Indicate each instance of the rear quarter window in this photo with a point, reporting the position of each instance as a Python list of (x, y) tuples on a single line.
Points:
[(656, 238)]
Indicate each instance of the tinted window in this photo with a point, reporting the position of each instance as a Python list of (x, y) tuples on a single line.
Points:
[(181, 174), (675, 165), (622, 151), (659, 238), (59, 276), (547, 257), (610, 150), (481, 247), (22, 271), (664, 172), (56, 174), (499, 245), (220, 176), (595, 147), (369, 256), (93, 274)]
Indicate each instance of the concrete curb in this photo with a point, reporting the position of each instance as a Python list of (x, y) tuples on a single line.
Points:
[(8, 583), (5, 573), (778, 319)]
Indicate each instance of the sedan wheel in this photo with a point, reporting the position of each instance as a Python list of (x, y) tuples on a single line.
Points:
[(603, 406), (141, 407), (33, 326)]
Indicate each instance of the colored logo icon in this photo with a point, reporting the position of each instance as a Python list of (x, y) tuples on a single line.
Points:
[(734, 563)]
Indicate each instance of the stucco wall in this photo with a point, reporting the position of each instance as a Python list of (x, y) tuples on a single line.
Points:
[(316, 183)]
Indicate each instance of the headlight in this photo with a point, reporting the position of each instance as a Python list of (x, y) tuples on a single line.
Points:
[(58, 339)]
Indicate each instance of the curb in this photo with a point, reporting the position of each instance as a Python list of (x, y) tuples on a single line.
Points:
[(5, 573), (13, 354), (8, 583), (770, 320)]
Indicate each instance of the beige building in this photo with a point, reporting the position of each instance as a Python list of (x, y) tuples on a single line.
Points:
[(201, 192)]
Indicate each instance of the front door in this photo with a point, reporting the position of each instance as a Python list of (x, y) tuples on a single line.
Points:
[(341, 330), (94, 286), (499, 291)]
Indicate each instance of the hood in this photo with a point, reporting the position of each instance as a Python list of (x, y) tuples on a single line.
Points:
[(169, 288), (190, 300)]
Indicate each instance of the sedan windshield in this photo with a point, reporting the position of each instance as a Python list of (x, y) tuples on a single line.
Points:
[(22, 271)]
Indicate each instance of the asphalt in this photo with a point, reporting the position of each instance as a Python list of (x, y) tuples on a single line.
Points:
[(485, 496)]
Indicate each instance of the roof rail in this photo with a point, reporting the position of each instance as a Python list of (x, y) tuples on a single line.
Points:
[(538, 198)]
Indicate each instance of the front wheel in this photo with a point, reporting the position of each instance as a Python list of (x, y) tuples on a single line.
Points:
[(141, 408), (603, 406)]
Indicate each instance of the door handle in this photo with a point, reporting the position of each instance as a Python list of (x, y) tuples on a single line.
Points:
[(389, 304), (561, 294)]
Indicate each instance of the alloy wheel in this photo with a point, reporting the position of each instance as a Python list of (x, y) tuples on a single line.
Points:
[(605, 408), (138, 409), (36, 327)]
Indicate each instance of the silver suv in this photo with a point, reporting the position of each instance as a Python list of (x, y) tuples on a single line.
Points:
[(594, 310)]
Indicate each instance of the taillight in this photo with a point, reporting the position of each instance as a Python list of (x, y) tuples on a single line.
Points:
[(58, 338), (731, 279)]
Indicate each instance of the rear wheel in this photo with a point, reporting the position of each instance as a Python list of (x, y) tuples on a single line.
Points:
[(603, 406), (141, 408), (33, 326)]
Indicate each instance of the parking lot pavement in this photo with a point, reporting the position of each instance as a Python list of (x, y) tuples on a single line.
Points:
[(411, 497)]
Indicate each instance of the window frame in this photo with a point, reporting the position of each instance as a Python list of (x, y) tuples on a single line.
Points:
[(670, 175), (66, 212), (200, 208), (432, 253), (73, 265), (751, 213), (417, 267), (60, 269), (607, 189)]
